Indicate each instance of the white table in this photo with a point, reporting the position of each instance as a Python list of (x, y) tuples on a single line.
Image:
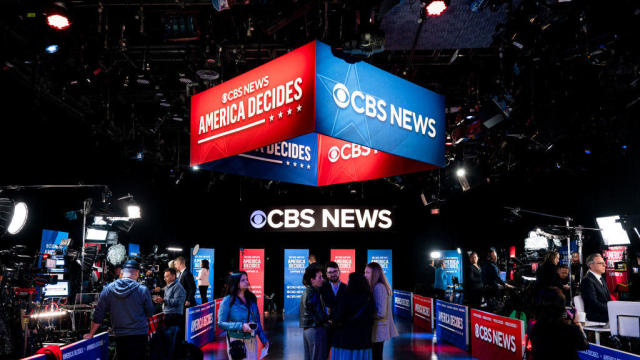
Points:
[(598, 328)]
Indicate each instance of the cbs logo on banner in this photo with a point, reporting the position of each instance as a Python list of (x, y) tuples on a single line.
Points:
[(349, 151)]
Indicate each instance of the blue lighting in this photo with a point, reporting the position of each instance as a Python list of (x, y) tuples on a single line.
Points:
[(624, 147), (587, 151), (52, 49)]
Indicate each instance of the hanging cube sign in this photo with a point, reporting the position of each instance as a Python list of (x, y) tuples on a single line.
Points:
[(309, 117)]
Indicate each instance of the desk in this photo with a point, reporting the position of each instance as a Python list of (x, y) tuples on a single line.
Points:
[(597, 328)]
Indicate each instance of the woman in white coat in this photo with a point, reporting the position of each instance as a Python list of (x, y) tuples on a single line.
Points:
[(383, 327)]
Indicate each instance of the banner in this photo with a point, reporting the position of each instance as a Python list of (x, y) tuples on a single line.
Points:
[(346, 260), (597, 352), (496, 337), (156, 322), (252, 261), (423, 312), (452, 324), (134, 250), (196, 265), (384, 258), (200, 324), (452, 265), (51, 241), (321, 218), (295, 262), (402, 303), (90, 349), (218, 330), (612, 256)]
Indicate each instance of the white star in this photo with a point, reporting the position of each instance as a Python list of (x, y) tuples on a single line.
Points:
[(280, 115), (288, 163), (299, 108), (308, 167), (271, 117), (289, 111), (295, 164)]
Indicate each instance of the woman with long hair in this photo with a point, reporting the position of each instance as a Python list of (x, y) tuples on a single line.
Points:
[(547, 274), (203, 280), (474, 285), (240, 317), (440, 285), (353, 321), (313, 315), (383, 326)]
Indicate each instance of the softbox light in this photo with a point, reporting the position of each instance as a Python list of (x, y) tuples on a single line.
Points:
[(13, 216)]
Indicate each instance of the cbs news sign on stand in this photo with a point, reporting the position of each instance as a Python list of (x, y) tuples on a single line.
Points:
[(311, 118)]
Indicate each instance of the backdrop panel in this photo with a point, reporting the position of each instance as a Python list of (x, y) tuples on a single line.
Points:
[(196, 265), (295, 262), (252, 261), (385, 259), (346, 260)]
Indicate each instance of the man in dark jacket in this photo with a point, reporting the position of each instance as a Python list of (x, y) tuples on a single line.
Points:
[(333, 290), (430, 278), (594, 290), (187, 281), (130, 306)]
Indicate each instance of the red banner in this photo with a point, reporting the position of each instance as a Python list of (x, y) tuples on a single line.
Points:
[(270, 103), (341, 161), (252, 261), (346, 259), (423, 312), (218, 302), (612, 256), (496, 337)]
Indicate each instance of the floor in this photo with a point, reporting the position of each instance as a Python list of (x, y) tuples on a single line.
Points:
[(286, 339)]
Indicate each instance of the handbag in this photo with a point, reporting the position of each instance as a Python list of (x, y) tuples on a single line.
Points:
[(237, 348)]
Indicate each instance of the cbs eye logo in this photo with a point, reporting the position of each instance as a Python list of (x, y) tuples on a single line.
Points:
[(224, 98), (258, 219), (334, 154), (341, 95)]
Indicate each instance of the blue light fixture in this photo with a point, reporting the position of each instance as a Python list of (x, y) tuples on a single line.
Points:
[(587, 151), (52, 49)]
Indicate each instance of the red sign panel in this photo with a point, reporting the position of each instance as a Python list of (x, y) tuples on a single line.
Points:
[(218, 330), (252, 261), (496, 337), (270, 103), (341, 161), (346, 260), (612, 256), (423, 312)]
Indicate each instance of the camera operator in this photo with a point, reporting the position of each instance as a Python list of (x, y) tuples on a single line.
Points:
[(491, 275), (130, 305)]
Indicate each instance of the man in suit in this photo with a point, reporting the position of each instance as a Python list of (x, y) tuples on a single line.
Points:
[(594, 291), (186, 280), (332, 290), (430, 278)]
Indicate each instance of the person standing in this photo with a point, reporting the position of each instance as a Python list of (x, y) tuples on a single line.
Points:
[(383, 327), (440, 285), (173, 308), (332, 290), (491, 276), (186, 280), (430, 278), (313, 315), (203, 280), (594, 290), (129, 304), (474, 284), (547, 274), (240, 317), (353, 321)]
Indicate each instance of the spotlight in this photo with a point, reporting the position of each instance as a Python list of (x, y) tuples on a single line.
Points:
[(459, 250), (13, 216), (52, 49), (134, 211), (436, 7), (195, 168), (96, 234), (58, 21), (174, 249), (435, 255), (461, 172), (587, 151)]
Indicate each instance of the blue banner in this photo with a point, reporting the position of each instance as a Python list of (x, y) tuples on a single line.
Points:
[(452, 265), (402, 303), (134, 250), (196, 262), (452, 324), (200, 324), (597, 352), (91, 349), (565, 256), (384, 258), (295, 261), (294, 160), (50, 242), (360, 103)]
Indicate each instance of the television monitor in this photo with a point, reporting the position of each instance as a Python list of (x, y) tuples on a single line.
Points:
[(59, 289), (503, 275), (612, 231)]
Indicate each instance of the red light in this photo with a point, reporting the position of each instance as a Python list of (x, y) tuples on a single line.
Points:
[(435, 211), (436, 8), (57, 21), (45, 256)]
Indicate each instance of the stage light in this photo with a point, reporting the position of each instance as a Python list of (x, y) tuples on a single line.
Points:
[(587, 151), (435, 255), (134, 211), (459, 251), (624, 147), (174, 249), (13, 216), (52, 49), (461, 172), (436, 7), (196, 168), (96, 234), (58, 21), (48, 314)]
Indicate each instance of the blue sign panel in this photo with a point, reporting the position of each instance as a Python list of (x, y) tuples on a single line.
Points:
[(597, 352), (384, 258), (295, 261), (452, 324), (452, 264), (196, 266), (360, 103), (96, 348), (134, 250), (200, 324), (50, 242), (402, 303), (294, 160)]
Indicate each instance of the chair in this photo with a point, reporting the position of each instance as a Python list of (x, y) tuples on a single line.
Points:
[(579, 304)]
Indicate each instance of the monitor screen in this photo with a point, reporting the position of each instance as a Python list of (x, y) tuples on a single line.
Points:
[(503, 275), (59, 289)]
